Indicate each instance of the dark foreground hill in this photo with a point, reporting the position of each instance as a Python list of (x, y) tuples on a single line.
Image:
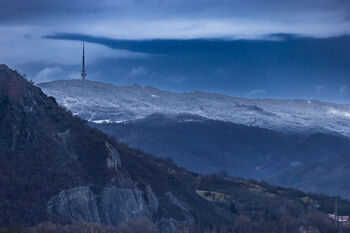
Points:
[(207, 146), (54, 167)]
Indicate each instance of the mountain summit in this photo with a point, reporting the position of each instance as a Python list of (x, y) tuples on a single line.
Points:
[(105, 103)]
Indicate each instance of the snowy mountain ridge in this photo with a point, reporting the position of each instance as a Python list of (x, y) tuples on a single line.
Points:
[(105, 103)]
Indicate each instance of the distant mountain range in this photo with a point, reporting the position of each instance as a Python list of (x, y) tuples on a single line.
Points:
[(207, 146), (100, 102), (280, 141), (54, 167)]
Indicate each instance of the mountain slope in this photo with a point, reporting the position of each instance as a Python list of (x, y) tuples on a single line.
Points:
[(329, 176), (206, 146), (100, 102), (55, 167), (305, 131)]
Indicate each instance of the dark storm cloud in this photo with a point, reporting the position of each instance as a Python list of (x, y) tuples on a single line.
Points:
[(17, 9), (134, 19), (246, 8), (217, 47), (35, 10), (286, 43)]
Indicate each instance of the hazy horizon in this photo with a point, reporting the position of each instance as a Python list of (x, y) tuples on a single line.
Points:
[(193, 91)]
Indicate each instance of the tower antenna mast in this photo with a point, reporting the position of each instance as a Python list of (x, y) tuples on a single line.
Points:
[(83, 73)]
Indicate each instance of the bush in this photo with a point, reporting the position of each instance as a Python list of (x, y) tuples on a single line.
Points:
[(233, 208)]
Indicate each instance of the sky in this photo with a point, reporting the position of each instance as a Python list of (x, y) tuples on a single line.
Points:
[(246, 48)]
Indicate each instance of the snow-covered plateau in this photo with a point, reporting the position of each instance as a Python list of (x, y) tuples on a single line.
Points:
[(105, 103)]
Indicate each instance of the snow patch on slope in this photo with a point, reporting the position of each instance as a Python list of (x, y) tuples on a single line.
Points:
[(106, 103)]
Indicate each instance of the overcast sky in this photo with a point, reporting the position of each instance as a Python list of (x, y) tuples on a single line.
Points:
[(255, 49)]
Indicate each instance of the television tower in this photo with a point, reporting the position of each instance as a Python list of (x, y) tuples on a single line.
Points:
[(83, 73)]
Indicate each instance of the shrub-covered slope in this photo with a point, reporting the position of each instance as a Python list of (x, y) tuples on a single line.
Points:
[(207, 146)]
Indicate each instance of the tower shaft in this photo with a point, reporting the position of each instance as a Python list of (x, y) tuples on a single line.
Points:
[(83, 73)]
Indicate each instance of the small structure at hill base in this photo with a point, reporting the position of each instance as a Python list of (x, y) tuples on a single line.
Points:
[(342, 220), (339, 220)]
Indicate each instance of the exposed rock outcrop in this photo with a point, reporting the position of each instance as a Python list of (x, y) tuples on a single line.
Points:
[(109, 205), (113, 160)]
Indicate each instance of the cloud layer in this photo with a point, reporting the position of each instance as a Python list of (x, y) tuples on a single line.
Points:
[(254, 48), (151, 19)]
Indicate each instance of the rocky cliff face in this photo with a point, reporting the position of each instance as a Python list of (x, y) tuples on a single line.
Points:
[(110, 205)]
